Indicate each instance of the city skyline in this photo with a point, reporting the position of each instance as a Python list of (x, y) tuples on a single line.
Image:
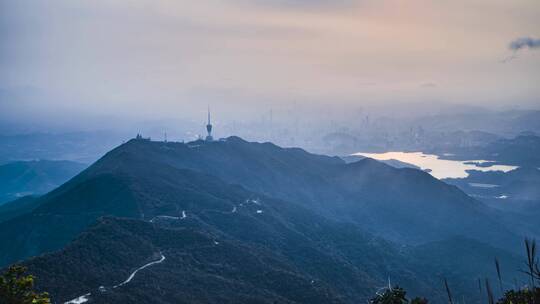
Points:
[(147, 59)]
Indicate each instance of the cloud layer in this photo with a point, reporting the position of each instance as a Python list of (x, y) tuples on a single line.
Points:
[(524, 42), (157, 57)]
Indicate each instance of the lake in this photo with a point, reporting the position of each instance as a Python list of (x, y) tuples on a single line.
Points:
[(439, 168)]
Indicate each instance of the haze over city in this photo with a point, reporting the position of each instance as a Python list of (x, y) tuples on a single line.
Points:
[(96, 64)]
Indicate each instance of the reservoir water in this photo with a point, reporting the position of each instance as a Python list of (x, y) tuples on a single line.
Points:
[(439, 168)]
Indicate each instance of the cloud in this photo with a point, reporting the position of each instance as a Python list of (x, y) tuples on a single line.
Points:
[(428, 85), (518, 44), (524, 42)]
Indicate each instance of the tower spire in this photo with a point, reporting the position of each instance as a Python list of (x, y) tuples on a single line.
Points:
[(209, 127)]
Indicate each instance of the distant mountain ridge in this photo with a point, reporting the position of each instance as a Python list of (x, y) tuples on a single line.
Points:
[(404, 205), (21, 178), (314, 217), (522, 150), (366, 187)]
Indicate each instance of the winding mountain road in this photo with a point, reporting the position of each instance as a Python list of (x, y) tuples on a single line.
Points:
[(84, 298), (132, 275)]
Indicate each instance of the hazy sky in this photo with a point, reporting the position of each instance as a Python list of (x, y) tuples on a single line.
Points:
[(153, 58)]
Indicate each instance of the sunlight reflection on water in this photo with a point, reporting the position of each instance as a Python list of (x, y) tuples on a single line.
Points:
[(440, 168)]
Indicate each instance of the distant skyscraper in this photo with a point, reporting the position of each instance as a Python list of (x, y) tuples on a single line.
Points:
[(209, 128)]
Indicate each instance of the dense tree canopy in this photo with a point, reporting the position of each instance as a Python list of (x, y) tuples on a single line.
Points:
[(396, 295), (18, 288), (525, 296)]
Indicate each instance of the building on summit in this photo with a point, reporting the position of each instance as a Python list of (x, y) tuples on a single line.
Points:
[(139, 137)]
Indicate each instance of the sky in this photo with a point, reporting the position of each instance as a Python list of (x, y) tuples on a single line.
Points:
[(152, 59)]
